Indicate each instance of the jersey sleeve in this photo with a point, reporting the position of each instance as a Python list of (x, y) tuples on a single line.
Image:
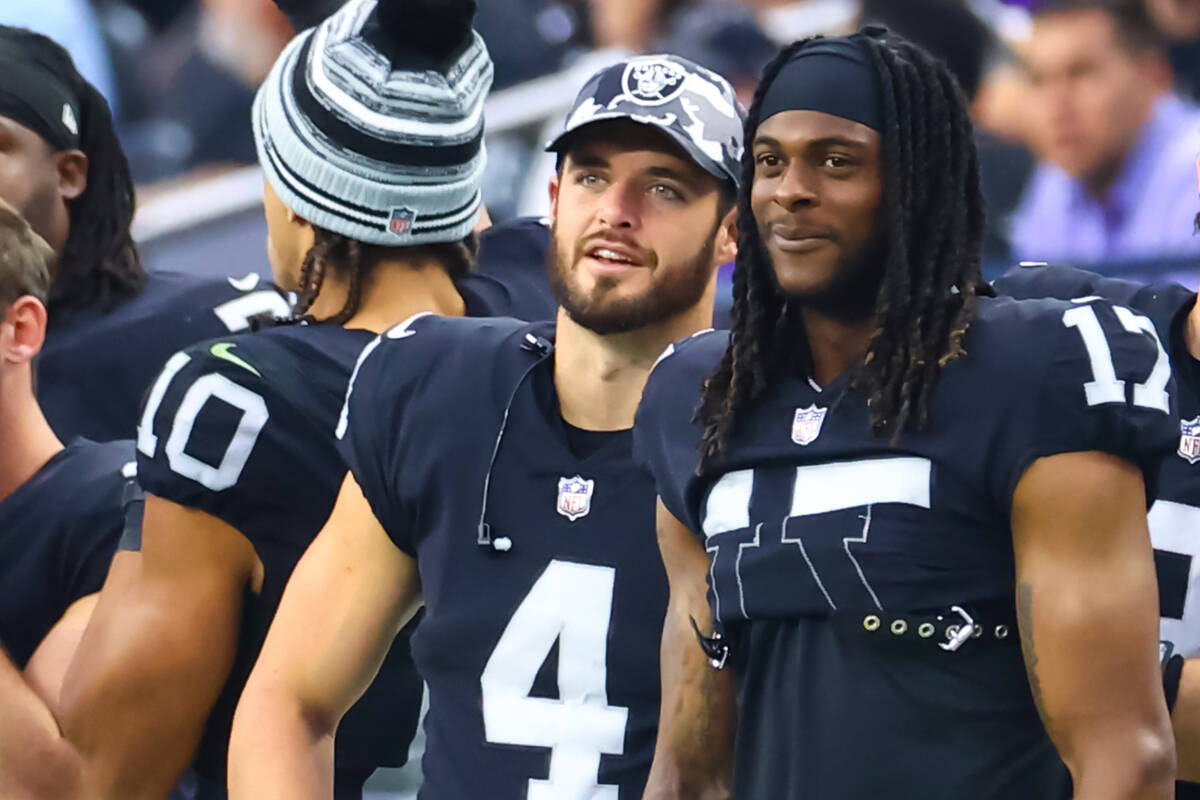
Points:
[(372, 429), (665, 440), (211, 439), (1100, 381), (96, 539)]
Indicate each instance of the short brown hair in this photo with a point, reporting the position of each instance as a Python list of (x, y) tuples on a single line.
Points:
[(25, 259), (1135, 29)]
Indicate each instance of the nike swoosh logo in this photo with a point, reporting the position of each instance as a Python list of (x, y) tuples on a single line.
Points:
[(221, 350), (244, 284)]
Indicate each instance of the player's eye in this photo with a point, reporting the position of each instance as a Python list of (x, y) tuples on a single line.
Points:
[(767, 160), (588, 180), (666, 192), (836, 162)]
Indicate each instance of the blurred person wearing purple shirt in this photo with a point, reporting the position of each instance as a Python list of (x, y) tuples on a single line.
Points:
[(1116, 185)]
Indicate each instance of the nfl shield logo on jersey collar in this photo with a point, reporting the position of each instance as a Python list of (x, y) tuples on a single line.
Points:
[(1189, 440), (575, 497), (806, 425)]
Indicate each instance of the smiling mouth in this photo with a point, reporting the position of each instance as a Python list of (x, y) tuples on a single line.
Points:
[(790, 243), (612, 257)]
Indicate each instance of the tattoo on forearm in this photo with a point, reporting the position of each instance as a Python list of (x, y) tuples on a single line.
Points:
[(1025, 623)]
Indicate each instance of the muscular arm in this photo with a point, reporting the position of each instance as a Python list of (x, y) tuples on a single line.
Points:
[(347, 599), (157, 652), (36, 763), (693, 755), (47, 667), (1087, 607)]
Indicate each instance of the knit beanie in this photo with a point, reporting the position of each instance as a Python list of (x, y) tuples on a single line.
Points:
[(371, 124)]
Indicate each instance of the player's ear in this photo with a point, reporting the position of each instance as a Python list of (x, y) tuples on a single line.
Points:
[(296, 219), (727, 238), (72, 166), (22, 330), (554, 184)]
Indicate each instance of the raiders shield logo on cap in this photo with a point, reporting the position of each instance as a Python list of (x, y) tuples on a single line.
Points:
[(806, 425), (653, 81), (574, 497), (1189, 440)]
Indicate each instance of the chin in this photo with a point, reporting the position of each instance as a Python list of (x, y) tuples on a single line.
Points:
[(804, 282)]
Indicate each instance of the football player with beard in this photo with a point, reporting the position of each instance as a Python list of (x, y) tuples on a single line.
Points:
[(493, 480)]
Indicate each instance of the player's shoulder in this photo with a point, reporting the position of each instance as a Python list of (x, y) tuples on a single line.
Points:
[(521, 239), (685, 364), (424, 340), (98, 465), (1161, 302), (510, 277)]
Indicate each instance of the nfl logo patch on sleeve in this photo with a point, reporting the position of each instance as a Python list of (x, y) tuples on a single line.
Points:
[(1189, 440), (806, 425), (575, 497)]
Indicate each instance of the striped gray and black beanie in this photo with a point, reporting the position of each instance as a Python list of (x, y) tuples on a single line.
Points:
[(371, 124)]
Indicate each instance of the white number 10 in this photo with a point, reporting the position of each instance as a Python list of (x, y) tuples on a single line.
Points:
[(570, 603), (1105, 387)]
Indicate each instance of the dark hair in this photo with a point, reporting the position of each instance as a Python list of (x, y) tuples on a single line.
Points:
[(1134, 26), (99, 264), (357, 260), (948, 29), (932, 217)]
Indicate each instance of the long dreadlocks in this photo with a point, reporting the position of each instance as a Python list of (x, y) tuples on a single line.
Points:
[(358, 260), (99, 265), (933, 217)]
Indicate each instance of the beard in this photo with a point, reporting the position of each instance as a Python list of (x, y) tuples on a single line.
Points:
[(852, 294), (673, 290)]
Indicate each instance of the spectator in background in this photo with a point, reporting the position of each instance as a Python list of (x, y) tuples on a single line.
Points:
[(1179, 22), (1119, 145), (71, 23), (951, 31)]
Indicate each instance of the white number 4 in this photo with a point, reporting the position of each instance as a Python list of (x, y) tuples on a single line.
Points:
[(570, 603), (1105, 387)]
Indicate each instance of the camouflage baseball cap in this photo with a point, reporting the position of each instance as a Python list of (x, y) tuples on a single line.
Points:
[(694, 106)]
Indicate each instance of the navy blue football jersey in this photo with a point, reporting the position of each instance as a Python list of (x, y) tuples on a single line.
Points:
[(866, 586), (96, 366), (58, 533), (511, 274), (543, 588), (1175, 515), (242, 428)]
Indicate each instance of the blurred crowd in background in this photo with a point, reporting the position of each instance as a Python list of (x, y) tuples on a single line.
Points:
[(1088, 125)]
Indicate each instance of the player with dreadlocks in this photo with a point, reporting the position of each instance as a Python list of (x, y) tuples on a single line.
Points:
[(369, 224), (112, 325), (896, 485)]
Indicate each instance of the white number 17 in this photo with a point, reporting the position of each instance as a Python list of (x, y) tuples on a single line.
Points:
[(1105, 387)]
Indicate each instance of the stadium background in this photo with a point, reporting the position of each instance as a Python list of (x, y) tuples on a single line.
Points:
[(180, 75)]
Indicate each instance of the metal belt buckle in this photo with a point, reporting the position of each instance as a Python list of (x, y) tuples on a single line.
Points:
[(964, 631)]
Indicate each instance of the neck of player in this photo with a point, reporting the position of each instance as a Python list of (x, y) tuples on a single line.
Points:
[(26, 440), (395, 290), (835, 344), (599, 379)]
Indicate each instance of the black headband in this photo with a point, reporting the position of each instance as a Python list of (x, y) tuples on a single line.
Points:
[(34, 97), (835, 76)]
